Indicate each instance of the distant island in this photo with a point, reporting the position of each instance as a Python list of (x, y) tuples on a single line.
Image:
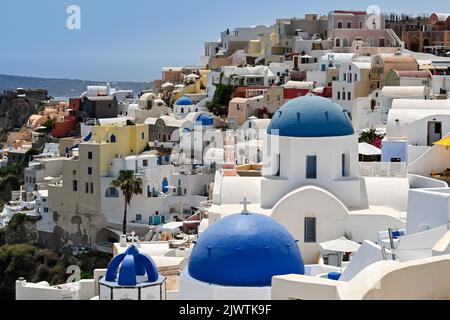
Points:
[(65, 87)]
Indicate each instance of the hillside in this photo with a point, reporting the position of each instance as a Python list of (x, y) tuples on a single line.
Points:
[(64, 87)]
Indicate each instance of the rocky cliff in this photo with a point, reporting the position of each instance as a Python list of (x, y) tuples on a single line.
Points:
[(15, 111)]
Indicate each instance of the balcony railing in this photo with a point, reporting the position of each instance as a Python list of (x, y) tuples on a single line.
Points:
[(382, 169)]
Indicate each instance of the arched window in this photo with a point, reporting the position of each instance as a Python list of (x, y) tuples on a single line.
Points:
[(111, 193), (113, 138)]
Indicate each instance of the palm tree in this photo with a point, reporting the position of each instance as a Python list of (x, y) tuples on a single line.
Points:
[(130, 185)]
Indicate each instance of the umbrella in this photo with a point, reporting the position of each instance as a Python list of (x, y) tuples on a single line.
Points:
[(192, 75), (368, 150), (167, 85), (340, 245)]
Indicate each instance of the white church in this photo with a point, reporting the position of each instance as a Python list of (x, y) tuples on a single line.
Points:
[(310, 180)]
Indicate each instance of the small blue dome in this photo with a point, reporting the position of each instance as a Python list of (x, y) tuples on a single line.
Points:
[(311, 116), (184, 101), (245, 250), (132, 264), (205, 120)]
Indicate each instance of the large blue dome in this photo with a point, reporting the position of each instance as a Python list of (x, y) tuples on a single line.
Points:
[(311, 116), (184, 101), (245, 250)]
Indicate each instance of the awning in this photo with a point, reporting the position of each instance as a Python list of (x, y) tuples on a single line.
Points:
[(171, 226), (443, 142), (340, 245), (368, 150)]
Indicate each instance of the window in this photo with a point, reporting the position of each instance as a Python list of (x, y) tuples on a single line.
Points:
[(138, 217), (142, 135), (311, 167), (343, 95), (90, 171), (111, 193), (356, 77), (339, 95), (75, 185), (145, 163), (45, 209), (86, 187), (310, 230), (339, 24), (90, 155), (92, 187), (344, 165), (345, 77), (349, 24), (74, 172), (349, 95), (113, 138)]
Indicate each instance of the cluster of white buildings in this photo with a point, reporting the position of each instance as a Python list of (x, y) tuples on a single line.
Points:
[(283, 204)]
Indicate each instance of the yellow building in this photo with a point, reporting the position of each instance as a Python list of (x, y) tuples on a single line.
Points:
[(76, 202)]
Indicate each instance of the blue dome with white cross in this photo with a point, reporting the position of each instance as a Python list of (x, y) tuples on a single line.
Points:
[(311, 116), (244, 250), (131, 268)]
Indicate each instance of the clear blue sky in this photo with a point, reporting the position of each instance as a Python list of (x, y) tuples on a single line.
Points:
[(132, 40)]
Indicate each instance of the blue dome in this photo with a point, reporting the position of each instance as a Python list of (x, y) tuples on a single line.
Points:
[(311, 116), (132, 264), (184, 101), (205, 120), (245, 250)]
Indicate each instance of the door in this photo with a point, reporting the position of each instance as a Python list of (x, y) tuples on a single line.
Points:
[(434, 132)]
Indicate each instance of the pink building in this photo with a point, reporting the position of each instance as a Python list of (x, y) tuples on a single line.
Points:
[(348, 26)]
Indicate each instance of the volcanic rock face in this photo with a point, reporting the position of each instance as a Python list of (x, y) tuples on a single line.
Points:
[(15, 111)]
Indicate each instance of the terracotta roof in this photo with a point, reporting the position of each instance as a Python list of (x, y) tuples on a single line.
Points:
[(356, 13), (414, 74), (399, 59)]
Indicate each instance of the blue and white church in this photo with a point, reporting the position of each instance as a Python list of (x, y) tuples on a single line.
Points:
[(310, 181)]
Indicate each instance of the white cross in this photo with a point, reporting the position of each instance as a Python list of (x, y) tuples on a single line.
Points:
[(133, 238), (245, 202)]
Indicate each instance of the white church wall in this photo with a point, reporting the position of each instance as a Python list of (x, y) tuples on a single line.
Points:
[(368, 253), (427, 208), (365, 226), (293, 153), (192, 289), (300, 287), (387, 192), (330, 213), (419, 245)]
